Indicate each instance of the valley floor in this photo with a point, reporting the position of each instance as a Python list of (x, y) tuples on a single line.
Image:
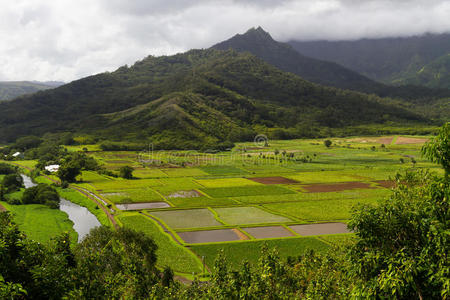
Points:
[(293, 195)]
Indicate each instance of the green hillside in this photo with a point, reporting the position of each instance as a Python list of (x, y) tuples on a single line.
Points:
[(189, 99), (435, 74)]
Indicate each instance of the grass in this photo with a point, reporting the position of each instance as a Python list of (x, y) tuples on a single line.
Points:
[(132, 195), (201, 202), (326, 210), (338, 239), (184, 172), (223, 170), (322, 177), (41, 223), (248, 215), (148, 173), (189, 218), (228, 182), (246, 191), (237, 252), (169, 254), (123, 184)]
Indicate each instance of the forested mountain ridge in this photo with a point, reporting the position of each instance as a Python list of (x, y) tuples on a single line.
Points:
[(201, 96), (389, 60), (435, 74), (12, 89), (284, 56)]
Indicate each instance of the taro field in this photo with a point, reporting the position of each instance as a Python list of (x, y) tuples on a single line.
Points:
[(293, 195)]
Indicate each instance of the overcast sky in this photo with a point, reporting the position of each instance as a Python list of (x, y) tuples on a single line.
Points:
[(69, 39)]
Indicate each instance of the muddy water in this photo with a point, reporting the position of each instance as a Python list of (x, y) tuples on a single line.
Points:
[(27, 182), (268, 232), (209, 236), (138, 206), (318, 229), (83, 220), (81, 217)]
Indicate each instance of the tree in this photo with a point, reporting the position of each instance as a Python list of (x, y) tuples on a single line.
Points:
[(438, 149), (126, 172), (68, 171), (6, 169), (402, 244), (114, 264), (327, 143), (12, 182), (41, 194)]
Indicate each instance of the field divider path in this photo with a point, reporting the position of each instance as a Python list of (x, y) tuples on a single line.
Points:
[(163, 197), (290, 230), (92, 196), (263, 208), (216, 216), (2, 208), (164, 227)]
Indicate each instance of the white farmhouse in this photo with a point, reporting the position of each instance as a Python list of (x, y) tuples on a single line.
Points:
[(52, 168)]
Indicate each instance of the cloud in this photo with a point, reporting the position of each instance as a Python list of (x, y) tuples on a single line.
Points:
[(66, 40)]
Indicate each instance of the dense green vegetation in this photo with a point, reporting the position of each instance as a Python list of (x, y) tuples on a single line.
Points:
[(41, 194), (435, 74), (201, 99)]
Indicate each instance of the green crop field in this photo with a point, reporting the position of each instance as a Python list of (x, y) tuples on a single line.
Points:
[(228, 182), (248, 215), (41, 223), (131, 195), (223, 170), (169, 253), (237, 252), (189, 218), (326, 210), (246, 191)]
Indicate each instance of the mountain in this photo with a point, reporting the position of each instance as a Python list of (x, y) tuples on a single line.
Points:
[(191, 99), (260, 43), (389, 60), (12, 89), (284, 56), (435, 74)]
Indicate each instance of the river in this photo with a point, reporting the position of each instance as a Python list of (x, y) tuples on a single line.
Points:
[(83, 220)]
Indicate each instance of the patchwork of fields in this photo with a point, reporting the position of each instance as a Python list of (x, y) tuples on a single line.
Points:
[(294, 195)]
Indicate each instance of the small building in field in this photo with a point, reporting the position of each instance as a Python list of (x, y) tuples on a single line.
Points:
[(18, 155), (52, 168)]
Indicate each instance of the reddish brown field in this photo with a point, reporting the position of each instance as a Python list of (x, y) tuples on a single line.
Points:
[(404, 140), (385, 140), (336, 187), (240, 234), (273, 180)]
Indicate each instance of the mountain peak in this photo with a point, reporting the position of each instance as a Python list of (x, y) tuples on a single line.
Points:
[(258, 32)]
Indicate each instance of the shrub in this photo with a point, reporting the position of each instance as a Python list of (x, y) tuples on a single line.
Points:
[(41, 194), (12, 182), (126, 172)]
